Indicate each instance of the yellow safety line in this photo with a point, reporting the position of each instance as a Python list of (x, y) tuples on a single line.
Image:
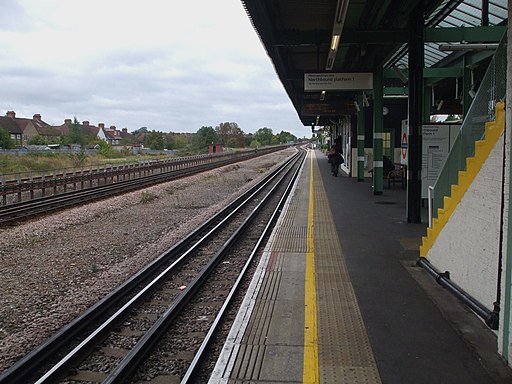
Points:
[(310, 372)]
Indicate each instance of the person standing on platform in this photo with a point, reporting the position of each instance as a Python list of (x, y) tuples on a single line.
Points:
[(336, 159)]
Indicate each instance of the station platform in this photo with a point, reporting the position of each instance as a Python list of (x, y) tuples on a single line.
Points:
[(338, 298)]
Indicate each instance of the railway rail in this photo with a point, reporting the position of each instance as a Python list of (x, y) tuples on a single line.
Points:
[(177, 303), (16, 212)]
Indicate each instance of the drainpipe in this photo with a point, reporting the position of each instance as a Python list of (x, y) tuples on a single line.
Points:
[(491, 318)]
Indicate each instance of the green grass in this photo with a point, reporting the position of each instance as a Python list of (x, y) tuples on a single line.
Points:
[(46, 163)]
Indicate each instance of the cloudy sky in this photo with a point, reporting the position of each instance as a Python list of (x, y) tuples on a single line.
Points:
[(165, 64)]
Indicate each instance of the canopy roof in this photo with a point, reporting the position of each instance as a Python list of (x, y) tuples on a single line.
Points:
[(300, 38)]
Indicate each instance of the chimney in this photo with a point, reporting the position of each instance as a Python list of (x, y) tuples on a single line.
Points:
[(37, 116), (85, 123), (11, 114), (101, 125), (67, 121), (125, 130), (113, 127)]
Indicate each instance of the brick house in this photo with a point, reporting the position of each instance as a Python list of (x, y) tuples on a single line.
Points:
[(9, 124), (23, 129)]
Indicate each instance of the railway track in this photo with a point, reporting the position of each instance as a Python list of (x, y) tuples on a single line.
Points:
[(152, 325), (17, 212)]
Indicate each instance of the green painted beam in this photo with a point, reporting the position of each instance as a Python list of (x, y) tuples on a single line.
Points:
[(429, 73), (396, 90), (467, 34)]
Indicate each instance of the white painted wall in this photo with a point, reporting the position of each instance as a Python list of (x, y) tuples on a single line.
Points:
[(504, 339), (468, 245)]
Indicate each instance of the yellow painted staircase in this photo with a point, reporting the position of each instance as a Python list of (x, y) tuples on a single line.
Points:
[(483, 148)]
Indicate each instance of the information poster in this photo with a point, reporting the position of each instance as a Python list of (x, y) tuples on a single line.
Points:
[(437, 141)]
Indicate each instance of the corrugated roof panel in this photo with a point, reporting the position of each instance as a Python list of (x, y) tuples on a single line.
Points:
[(467, 13), (498, 10)]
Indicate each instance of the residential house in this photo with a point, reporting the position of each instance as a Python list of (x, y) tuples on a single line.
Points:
[(24, 129), (86, 128), (110, 135), (9, 124), (37, 127)]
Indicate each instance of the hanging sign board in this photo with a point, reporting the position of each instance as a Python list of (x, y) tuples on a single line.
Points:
[(322, 108), (337, 81)]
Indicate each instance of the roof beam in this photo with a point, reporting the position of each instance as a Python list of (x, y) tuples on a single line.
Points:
[(298, 38), (467, 34)]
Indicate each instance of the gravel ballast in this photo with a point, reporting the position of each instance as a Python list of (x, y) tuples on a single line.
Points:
[(54, 267)]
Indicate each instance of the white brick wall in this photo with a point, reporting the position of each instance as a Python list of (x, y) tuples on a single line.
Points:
[(468, 246)]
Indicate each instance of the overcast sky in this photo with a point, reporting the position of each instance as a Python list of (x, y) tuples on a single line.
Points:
[(167, 65)]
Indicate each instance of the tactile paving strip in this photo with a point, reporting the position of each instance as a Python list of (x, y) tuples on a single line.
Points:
[(345, 354)]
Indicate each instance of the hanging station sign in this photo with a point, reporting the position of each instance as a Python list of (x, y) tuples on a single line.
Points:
[(337, 81)]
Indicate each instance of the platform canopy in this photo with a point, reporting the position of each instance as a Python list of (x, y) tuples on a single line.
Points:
[(325, 51)]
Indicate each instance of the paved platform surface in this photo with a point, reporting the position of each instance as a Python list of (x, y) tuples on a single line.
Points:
[(338, 299)]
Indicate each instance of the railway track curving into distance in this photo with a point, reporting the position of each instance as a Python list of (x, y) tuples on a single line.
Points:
[(161, 322)]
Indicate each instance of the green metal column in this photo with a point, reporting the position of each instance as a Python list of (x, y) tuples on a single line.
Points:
[(427, 102), (416, 65), (378, 132), (360, 138)]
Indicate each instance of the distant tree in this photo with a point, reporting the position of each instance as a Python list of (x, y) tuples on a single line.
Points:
[(204, 137), (140, 130), (128, 140), (5, 139), (175, 141), (181, 141), (231, 135), (75, 135), (248, 139), (264, 136), (255, 144), (154, 140), (105, 149), (285, 137)]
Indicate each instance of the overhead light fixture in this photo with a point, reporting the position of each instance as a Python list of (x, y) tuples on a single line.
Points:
[(440, 105), (472, 93), (467, 47), (334, 42), (337, 28), (358, 108), (322, 96)]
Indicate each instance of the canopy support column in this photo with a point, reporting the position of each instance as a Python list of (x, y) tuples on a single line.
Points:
[(378, 135), (360, 137), (416, 63)]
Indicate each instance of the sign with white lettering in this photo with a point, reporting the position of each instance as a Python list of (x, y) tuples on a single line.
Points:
[(333, 81)]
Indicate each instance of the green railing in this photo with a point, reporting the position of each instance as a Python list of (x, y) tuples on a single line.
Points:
[(482, 110)]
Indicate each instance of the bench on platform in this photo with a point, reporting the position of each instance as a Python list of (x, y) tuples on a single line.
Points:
[(397, 175)]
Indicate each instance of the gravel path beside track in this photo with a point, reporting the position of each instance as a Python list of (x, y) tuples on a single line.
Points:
[(53, 268)]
